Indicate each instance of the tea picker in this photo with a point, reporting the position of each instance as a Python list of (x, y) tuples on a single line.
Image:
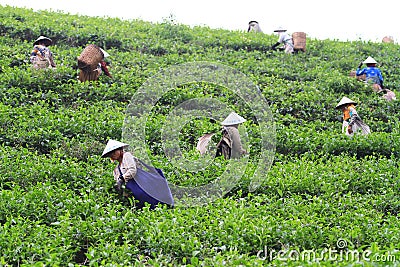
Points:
[(41, 56), (351, 120), (230, 145), (254, 26), (373, 74), (146, 186), (91, 63), (285, 39)]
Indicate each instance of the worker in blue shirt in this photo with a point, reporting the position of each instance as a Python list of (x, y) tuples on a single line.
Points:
[(372, 73)]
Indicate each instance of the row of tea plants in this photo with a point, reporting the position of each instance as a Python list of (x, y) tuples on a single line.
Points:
[(58, 206)]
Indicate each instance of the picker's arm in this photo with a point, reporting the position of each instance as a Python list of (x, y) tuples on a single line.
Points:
[(275, 45)]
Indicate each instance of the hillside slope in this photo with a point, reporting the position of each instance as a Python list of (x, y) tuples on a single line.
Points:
[(57, 203)]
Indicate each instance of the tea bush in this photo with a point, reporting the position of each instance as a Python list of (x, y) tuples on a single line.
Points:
[(58, 206)]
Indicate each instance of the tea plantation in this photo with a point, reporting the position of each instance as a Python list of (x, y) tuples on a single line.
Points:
[(326, 199)]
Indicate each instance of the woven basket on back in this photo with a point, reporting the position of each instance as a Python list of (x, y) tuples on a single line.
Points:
[(299, 41), (90, 58), (361, 77), (88, 75)]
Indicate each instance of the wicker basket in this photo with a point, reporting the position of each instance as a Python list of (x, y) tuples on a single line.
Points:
[(41, 63), (361, 77), (388, 39), (90, 58), (88, 75), (299, 41)]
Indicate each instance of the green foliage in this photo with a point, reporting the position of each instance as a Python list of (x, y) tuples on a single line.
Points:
[(57, 203)]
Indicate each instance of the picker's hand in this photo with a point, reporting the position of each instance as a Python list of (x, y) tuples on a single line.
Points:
[(359, 66), (119, 183), (349, 129)]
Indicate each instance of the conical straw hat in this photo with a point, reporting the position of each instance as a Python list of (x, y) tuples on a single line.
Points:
[(280, 29), (104, 53), (370, 60), (233, 119), (345, 101), (253, 22), (111, 146), (43, 38)]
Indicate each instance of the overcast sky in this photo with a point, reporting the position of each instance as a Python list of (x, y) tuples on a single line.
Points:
[(344, 20)]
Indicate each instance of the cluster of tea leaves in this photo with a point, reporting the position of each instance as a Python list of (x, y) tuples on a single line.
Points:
[(58, 206)]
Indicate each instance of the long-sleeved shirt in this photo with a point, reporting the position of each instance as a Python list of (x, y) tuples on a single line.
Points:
[(284, 37), (287, 41), (104, 68), (371, 73), (40, 54), (128, 167), (237, 149), (351, 118), (350, 115)]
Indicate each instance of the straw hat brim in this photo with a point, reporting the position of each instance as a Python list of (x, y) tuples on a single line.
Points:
[(345, 101), (111, 146), (233, 119), (370, 60), (47, 40)]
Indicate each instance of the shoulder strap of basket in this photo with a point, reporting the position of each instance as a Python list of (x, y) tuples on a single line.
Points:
[(150, 168)]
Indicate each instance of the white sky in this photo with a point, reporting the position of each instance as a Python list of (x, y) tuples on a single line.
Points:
[(344, 20)]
